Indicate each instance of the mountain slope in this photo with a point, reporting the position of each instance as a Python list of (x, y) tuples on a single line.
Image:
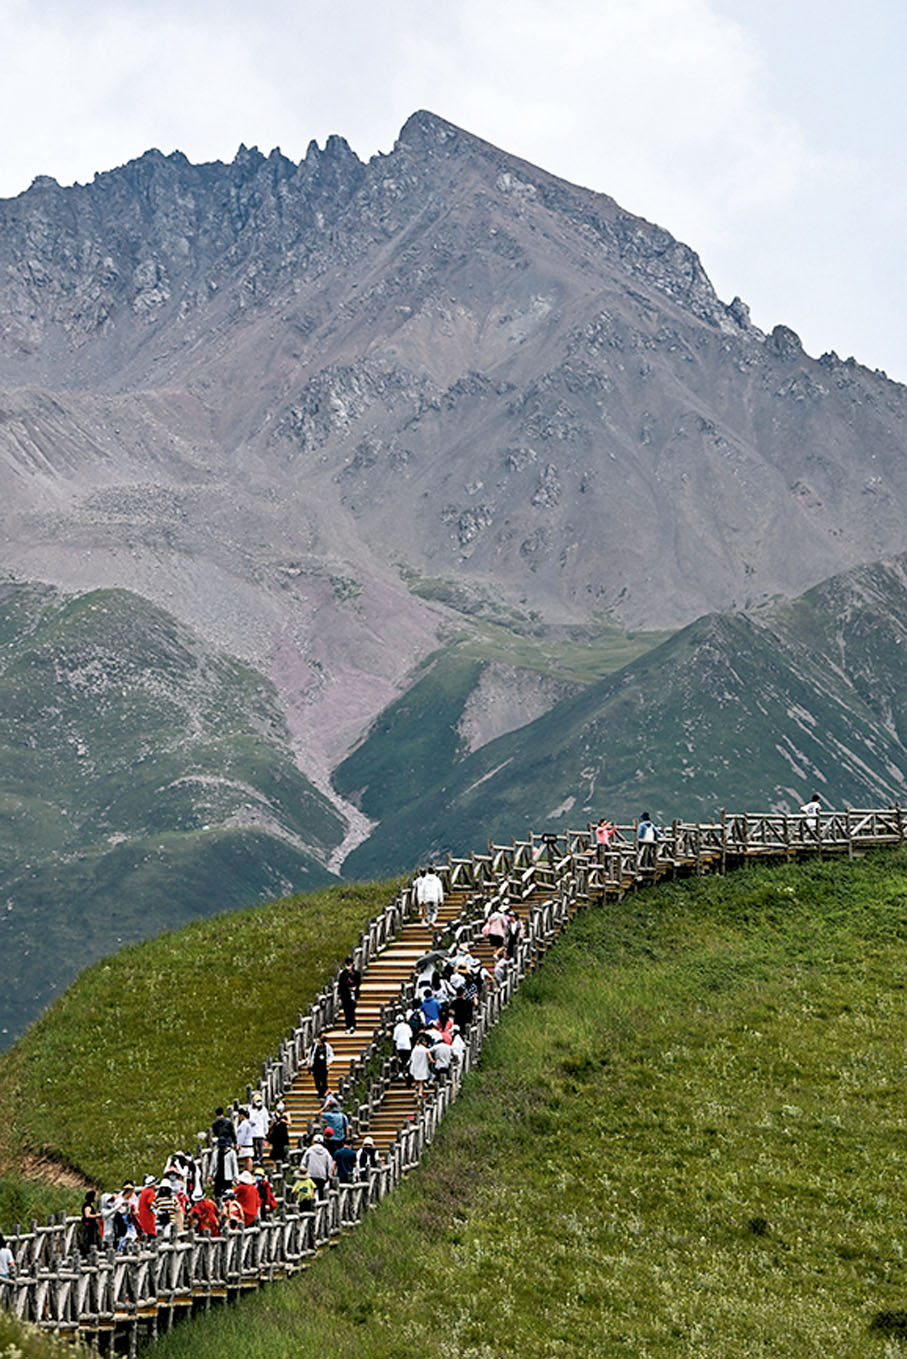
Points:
[(274, 398), (735, 710), (144, 780)]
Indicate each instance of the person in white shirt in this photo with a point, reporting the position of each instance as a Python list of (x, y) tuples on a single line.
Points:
[(441, 1053), (420, 1064), (429, 895), (260, 1119), (457, 1045), (318, 1164), (811, 811), (403, 1043), (7, 1261)]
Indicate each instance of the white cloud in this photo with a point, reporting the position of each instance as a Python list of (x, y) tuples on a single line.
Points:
[(658, 102)]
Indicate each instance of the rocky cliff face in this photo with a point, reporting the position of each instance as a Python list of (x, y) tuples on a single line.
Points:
[(278, 399)]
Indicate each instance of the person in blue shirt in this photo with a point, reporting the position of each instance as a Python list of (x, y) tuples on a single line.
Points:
[(646, 835), (431, 1008), (333, 1117), (345, 1161)]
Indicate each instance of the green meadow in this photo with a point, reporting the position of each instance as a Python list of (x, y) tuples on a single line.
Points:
[(686, 1137), (129, 1064)]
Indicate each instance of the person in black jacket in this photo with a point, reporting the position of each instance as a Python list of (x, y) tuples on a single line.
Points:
[(348, 984), (279, 1138)]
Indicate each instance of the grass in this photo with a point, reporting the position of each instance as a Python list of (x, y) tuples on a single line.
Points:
[(18, 1340), (130, 1063), (685, 1138)]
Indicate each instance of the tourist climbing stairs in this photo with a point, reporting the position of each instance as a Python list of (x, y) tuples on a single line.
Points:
[(386, 983)]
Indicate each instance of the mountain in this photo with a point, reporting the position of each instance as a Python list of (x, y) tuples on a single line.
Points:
[(146, 780), (736, 710), (410, 467), (318, 410)]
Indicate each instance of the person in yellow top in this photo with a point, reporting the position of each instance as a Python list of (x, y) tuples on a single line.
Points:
[(303, 1190)]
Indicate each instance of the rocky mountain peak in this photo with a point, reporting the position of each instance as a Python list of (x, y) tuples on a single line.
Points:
[(443, 365)]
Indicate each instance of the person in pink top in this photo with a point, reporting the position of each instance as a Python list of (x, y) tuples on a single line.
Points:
[(495, 931)]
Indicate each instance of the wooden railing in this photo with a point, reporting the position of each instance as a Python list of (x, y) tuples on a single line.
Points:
[(146, 1286)]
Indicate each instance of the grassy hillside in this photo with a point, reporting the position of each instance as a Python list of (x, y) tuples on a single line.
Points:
[(144, 781), (732, 711), (129, 1064), (414, 735), (417, 738), (686, 1138), (21, 1341)]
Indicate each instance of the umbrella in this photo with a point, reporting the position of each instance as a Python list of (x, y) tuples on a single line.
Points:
[(435, 956)]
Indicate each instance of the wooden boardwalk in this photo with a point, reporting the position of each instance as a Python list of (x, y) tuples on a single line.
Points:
[(113, 1299)]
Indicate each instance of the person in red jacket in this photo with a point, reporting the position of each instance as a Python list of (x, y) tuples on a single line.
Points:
[(203, 1216), (266, 1199), (247, 1197), (145, 1214)]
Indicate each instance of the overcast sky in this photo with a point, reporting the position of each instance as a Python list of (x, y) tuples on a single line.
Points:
[(767, 134)]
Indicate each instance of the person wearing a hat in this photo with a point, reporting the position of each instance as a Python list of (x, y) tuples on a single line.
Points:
[(233, 1216), (165, 1207), (318, 1162), (267, 1201), (334, 1120), (368, 1158), (495, 931), (349, 981), (107, 1208), (246, 1191), (303, 1190), (514, 933), (261, 1121)]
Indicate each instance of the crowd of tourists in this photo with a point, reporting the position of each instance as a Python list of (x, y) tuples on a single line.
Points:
[(429, 1043), (238, 1193)]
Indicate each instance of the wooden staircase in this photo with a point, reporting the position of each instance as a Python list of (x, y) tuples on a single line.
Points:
[(381, 985)]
